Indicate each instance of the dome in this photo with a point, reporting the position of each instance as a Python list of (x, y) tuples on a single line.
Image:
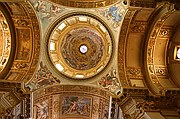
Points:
[(80, 46)]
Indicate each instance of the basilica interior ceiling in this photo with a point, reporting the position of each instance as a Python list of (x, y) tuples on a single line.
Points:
[(59, 52)]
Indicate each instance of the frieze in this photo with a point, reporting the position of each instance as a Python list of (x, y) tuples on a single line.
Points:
[(147, 105), (20, 66), (134, 71), (21, 22), (138, 27), (85, 3), (143, 3)]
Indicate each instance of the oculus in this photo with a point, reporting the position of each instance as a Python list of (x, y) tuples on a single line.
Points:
[(80, 46), (83, 49)]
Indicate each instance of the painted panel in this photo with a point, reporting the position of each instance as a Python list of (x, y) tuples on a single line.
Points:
[(76, 105)]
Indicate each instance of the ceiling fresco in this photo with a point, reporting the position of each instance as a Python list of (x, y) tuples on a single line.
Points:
[(46, 12), (90, 59), (78, 49)]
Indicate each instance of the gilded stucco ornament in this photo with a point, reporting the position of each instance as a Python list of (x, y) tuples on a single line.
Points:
[(154, 71), (85, 3), (5, 40), (80, 46)]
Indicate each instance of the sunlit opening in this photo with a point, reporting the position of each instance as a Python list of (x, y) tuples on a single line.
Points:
[(178, 53), (61, 27), (59, 67)]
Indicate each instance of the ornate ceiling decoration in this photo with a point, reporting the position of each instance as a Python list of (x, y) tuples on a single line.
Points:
[(5, 40), (58, 102), (85, 3), (174, 61), (25, 41), (80, 46)]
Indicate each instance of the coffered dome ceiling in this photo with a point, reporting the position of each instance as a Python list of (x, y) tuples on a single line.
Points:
[(80, 46)]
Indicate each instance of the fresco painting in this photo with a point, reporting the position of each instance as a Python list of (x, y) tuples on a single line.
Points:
[(114, 13), (43, 78), (76, 105), (46, 11), (110, 82)]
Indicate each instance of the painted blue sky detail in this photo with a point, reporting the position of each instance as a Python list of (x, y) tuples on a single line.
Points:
[(114, 13)]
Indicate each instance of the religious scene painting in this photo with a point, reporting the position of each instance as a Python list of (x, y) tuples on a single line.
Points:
[(76, 105)]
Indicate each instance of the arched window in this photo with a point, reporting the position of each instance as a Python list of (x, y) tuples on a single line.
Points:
[(178, 53)]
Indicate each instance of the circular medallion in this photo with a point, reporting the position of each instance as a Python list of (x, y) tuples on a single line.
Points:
[(80, 47)]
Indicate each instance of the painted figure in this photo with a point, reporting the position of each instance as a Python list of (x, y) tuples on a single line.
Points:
[(73, 105)]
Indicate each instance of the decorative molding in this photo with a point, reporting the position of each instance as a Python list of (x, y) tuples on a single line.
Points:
[(85, 3), (138, 27), (161, 71), (134, 71), (151, 42), (142, 3)]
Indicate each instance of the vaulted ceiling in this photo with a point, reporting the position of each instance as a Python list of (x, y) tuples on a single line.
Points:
[(132, 44)]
